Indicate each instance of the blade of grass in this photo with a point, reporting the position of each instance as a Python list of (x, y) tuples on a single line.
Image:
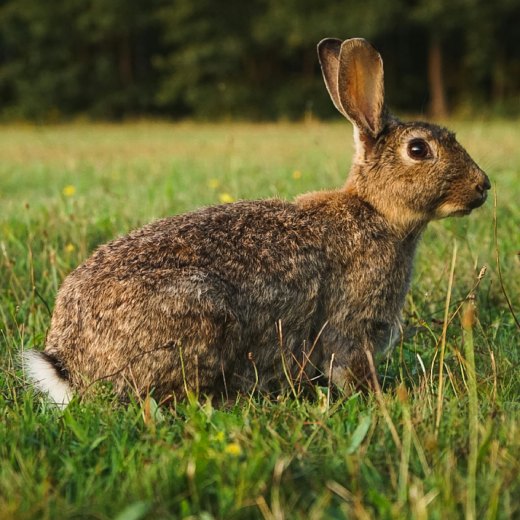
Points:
[(443, 340), (468, 321), (499, 269)]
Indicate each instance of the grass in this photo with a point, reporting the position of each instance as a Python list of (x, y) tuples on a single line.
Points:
[(436, 443)]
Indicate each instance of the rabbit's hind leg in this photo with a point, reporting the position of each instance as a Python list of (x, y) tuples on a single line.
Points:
[(201, 337), (166, 339)]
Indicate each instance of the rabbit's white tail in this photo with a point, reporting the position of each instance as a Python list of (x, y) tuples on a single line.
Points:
[(46, 377)]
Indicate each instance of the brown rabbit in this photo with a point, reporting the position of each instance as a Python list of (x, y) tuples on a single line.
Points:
[(249, 295)]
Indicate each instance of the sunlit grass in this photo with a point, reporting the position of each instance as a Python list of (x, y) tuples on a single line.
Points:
[(66, 189)]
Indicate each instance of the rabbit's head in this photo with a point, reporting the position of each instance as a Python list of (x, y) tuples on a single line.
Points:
[(410, 172)]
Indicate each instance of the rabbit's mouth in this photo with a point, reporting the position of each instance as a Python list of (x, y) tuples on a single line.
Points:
[(462, 212), (474, 204), (449, 209), (477, 202)]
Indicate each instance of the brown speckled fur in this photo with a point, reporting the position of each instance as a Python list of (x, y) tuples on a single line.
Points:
[(235, 297)]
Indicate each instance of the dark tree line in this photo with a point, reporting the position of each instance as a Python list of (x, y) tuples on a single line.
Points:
[(251, 59)]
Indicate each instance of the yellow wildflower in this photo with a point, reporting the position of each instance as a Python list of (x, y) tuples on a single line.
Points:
[(219, 436), (69, 248), (225, 198), (296, 174), (69, 190), (233, 448)]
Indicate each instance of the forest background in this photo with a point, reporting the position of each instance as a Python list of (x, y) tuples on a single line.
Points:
[(254, 60)]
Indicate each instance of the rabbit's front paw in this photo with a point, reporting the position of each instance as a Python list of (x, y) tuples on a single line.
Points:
[(354, 372)]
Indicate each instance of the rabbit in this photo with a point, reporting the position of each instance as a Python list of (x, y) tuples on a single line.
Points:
[(255, 295)]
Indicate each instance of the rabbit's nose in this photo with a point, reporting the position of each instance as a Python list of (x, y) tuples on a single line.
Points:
[(484, 185)]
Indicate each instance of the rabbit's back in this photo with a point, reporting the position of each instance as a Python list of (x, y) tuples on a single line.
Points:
[(193, 301)]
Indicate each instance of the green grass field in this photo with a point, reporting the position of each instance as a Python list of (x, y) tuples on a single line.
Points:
[(434, 444)]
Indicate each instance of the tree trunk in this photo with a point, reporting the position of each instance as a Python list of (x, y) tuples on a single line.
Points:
[(499, 79), (437, 108), (126, 75)]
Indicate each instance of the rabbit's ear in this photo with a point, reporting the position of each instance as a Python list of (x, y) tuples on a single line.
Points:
[(360, 85), (328, 54)]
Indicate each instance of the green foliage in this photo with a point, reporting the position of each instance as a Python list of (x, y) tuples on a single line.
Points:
[(64, 58), (243, 60), (66, 189)]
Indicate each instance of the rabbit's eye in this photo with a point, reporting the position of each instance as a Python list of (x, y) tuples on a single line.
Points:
[(418, 149)]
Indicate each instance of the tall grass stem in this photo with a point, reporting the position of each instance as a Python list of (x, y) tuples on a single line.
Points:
[(443, 340), (468, 321)]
